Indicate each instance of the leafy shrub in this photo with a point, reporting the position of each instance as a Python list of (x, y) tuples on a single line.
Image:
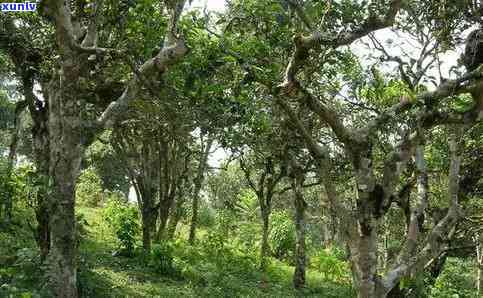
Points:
[(7, 187), (162, 258), (248, 235), (214, 243), (456, 281), (122, 218), (205, 216), (282, 235), (329, 262), (216, 240), (81, 227), (19, 276), (89, 188)]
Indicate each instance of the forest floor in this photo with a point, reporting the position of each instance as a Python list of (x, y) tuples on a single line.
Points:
[(202, 270), (103, 275)]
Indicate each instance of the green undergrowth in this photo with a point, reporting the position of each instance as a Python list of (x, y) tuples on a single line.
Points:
[(214, 267), (207, 269)]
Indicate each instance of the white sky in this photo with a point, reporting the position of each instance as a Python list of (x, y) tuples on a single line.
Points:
[(217, 5), (448, 59)]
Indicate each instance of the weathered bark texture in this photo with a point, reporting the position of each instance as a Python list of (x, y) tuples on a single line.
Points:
[(164, 211), (300, 229), (66, 151), (200, 175)]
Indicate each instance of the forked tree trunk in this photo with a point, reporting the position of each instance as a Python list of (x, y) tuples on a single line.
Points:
[(67, 132), (300, 258)]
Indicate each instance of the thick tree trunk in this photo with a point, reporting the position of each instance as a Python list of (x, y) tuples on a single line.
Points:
[(300, 258), (369, 200), (200, 175), (366, 249), (62, 256), (163, 220), (66, 150), (367, 264), (148, 213), (146, 227), (265, 249)]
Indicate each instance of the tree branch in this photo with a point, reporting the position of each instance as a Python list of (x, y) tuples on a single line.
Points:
[(464, 84), (303, 44), (169, 55), (434, 243)]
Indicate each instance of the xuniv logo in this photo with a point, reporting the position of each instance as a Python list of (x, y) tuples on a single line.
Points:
[(19, 7)]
